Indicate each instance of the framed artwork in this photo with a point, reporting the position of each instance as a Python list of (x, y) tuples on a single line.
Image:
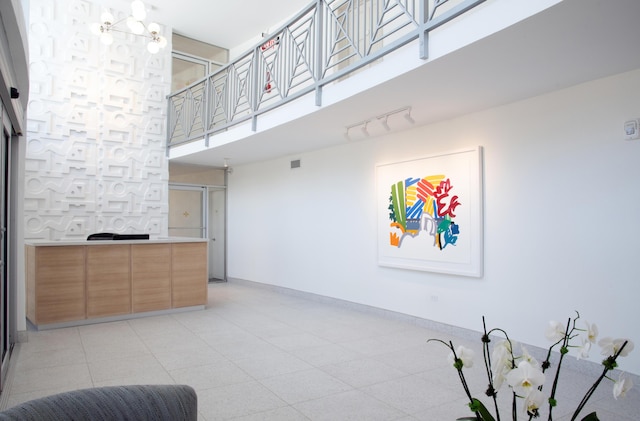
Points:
[(430, 213)]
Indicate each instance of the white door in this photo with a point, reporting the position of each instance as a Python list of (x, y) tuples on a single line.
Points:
[(217, 235)]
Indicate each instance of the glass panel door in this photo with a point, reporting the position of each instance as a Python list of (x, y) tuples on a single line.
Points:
[(187, 207), (216, 233), (5, 284)]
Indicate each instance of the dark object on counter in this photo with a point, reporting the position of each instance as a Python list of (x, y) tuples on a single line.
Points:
[(112, 236)]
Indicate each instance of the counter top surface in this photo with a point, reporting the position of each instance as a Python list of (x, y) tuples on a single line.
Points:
[(159, 240)]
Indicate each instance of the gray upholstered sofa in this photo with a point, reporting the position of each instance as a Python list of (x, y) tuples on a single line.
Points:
[(114, 403)]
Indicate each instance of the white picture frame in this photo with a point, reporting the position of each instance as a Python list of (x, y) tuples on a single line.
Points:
[(429, 213)]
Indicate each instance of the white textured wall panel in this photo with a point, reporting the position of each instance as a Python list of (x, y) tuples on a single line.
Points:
[(95, 156)]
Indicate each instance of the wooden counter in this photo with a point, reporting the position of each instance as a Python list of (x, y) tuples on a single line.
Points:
[(81, 282)]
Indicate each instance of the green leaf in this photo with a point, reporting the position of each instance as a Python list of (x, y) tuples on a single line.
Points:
[(398, 202), (484, 413), (591, 417)]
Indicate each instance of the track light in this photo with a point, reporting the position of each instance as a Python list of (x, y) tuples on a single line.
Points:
[(364, 129), (382, 119), (385, 123), (408, 117)]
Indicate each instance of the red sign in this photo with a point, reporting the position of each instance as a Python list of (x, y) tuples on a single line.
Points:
[(270, 44)]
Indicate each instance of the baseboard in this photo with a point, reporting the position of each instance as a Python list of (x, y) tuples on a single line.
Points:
[(581, 366)]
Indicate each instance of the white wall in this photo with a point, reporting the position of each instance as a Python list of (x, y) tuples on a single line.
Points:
[(561, 218)]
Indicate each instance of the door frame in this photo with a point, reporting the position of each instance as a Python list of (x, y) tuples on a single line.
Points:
[(206, 189), (8, 181), (209, 225), (203, 201)]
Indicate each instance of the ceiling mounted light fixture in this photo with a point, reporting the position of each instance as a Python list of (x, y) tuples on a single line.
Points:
[(384, 120), (368, 127), (135, 23), (364, 129), (407, 116)]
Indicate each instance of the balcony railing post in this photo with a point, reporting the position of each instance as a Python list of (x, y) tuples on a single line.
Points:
[(254, 89), (318, 70), (205, 111), (170, 125), (424, 33)]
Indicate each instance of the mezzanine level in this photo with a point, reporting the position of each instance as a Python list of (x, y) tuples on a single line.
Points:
[(326, 42), (464, 56)]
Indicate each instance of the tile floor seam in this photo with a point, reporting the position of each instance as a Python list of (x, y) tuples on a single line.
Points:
[(151, 351), (284, 326)]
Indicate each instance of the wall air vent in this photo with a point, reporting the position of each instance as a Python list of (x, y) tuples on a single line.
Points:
[(295, 164)]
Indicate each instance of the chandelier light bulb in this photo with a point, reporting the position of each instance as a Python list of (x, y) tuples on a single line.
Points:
[(106, 38), (153, 47), (153, 28), (138, 10), (96, 28), (135, 26), (162, 41), (107, 17)]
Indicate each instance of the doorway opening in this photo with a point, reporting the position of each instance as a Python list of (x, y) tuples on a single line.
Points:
[(216, 222), (198, 211)]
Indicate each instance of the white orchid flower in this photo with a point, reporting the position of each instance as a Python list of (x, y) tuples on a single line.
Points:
[(592, 332), (555, 331), (622, 386), (611, 346), (525, 378), (534, 401), (583, 350), (502, 362), (528, 357), (464, 354)]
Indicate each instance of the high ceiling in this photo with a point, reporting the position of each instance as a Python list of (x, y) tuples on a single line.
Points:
[(570, 43)]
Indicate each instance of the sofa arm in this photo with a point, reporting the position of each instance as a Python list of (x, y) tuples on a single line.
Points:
[(135, 402)]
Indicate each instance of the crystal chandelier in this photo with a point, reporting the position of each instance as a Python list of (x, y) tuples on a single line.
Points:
[(108, 25)]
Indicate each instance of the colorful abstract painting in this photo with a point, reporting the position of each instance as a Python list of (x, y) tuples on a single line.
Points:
[(429, 213)]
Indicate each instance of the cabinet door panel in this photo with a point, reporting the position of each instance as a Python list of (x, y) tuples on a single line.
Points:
[(59, 284), (189, 274), (151, 277), (108, 280)]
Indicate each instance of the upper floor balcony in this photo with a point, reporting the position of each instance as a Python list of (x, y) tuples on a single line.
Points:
[(366, 67), (328, 41)]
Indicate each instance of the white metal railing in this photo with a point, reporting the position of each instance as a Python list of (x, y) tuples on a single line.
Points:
[(328, 40)]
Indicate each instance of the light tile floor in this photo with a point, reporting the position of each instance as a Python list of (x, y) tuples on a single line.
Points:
[(257, 353)]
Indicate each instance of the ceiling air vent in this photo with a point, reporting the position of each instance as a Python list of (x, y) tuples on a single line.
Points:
[(295, 164)]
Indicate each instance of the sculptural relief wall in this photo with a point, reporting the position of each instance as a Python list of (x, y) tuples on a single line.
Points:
[(95, 157)]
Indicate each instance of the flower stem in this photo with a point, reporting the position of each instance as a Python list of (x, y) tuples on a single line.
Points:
[(463, 380), (563, 352), (487, 365), (458, 367), (610, 363)]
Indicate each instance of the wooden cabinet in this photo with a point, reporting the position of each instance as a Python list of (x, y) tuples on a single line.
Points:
[(113, 280)]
